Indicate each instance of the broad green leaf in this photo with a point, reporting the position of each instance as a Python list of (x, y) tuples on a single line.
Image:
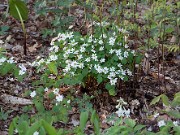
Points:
[(83, 119), (49, 128), (53, 68), (138, 127), (130, 122), (11, 129), (155, 100), (95, 121), (18, 9), (33, 128), (165, 99), (174, 113), (39, 106), (99, 78)]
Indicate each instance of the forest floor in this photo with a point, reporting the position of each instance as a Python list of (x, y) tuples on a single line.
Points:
[(138, 92)]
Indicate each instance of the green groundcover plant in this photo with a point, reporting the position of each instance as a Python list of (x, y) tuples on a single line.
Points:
[(103, 56)]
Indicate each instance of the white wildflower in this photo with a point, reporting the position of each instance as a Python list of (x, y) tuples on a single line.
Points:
[(100, 42), (3, 59), (33, 94), (56, 91), (111, 51), (113, 81), (176, 123), (36, 133), (69, 101), (82, 49), (22, 70), (94, 57), (53, 57), (161, 123), (46, 89), (101, 48), (102, 60), (156, 115), (87, 59), (11, 60), (126, 54), (112, 40), (59, 98)]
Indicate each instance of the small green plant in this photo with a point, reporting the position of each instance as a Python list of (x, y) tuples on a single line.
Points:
[(4, 115), (8, 66), (4, 29)]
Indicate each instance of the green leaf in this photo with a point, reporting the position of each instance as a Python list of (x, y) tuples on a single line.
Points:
[(39, 106), (130, 122), (165, 99), (11, 129), (18, 8), (53, 68), (33, 128), (95, 121), (155, 100), (6, 69), (99, 78), (49, 128), (138, 127), (83, 119), (174, 113)]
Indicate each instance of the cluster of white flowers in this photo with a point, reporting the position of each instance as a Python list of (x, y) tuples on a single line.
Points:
[(10, 60), (59, 97), (22, 70), (122, 112), (103, 24), (97, 53), (2, 60)]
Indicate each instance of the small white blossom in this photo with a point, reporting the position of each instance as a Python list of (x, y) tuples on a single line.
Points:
[(56, 91), (54, 49), (102, 60), (87, 59), (100, 42), (82, 49), (22, 70), (120, 112), (46, 89), (113, 81), (112, 40), (69, 101), (11, 60), (53, 57), (59, 98), (79, 56), (161, 123), (175, 123), (36, 133), (101, 48), (156, 115), (111, 51), (16, 131), (94, 57), (126, 54), (3, 59), (33, 94)]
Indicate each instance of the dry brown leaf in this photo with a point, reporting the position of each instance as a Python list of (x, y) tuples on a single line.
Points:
[(34, 47)]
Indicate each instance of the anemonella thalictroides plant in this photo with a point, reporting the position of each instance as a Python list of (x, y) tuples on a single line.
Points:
[(103, 55)]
